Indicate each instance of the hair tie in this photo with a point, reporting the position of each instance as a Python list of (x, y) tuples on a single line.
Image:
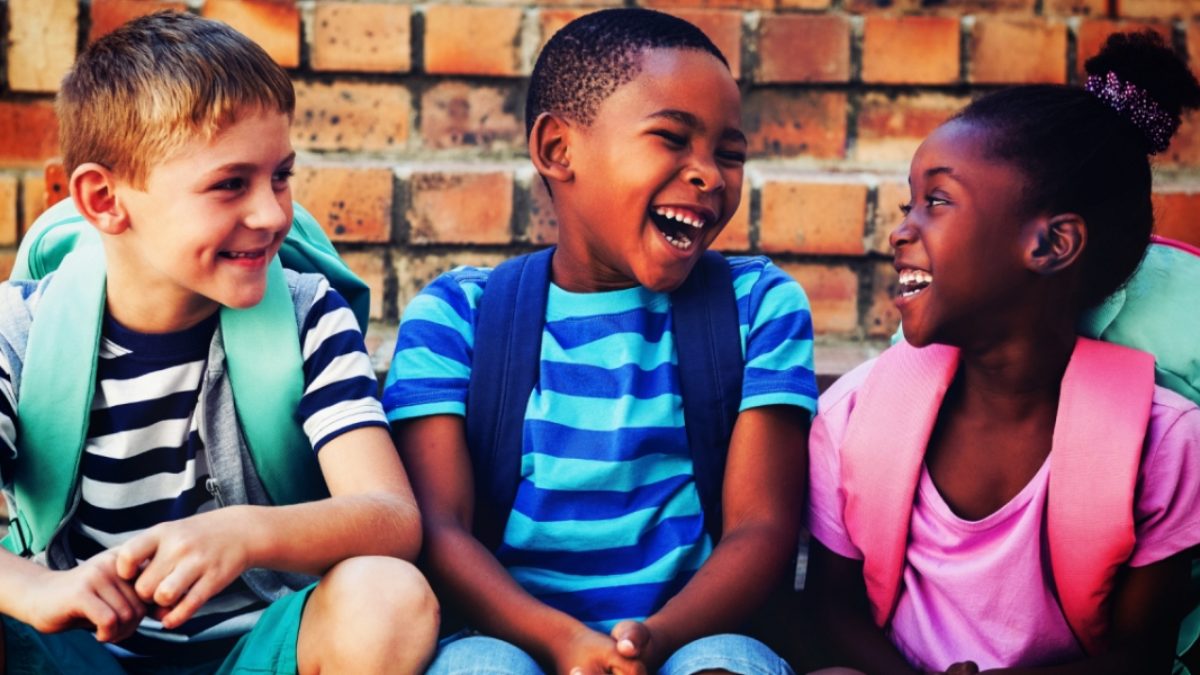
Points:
[(1135, 105)]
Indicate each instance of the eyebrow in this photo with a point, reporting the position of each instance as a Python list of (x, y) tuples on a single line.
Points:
[(687, 118), (234, 167), (941, 170)]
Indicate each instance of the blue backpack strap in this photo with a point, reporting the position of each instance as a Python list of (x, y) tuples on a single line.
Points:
[(504, 370), (55, 397), (709, 346)]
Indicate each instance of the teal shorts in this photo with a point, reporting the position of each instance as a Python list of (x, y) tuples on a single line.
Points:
[(269, 648)]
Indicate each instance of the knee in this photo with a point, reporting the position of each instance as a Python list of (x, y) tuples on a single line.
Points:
[(380, 599)]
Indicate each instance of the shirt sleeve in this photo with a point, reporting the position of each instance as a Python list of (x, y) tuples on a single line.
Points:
[(339, 383), (431, 367), (826, 498), (1168, 497), (778, 336)]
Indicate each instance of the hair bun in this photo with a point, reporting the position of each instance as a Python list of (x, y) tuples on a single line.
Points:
[(1146, 82)]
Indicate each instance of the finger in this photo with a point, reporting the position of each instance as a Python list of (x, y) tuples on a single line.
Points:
[(151, 577), (102, 617), (135, 554), (200, 593), (632, 637), (126, 589), (176, 584), (117, 601)]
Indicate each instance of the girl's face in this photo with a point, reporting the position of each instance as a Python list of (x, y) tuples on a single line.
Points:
[(958, 249)]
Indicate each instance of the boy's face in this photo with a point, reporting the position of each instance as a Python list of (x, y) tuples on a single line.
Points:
[(656, 176), (208, 219), (959, 249)]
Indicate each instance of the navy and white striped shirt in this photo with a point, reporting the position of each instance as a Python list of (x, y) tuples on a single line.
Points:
[(144, 462)]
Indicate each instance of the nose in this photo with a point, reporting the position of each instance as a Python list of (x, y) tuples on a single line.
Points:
[(704, 173), (902, 234), (269, 209)]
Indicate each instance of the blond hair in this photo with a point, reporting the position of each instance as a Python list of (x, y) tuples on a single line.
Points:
[(140, 93)]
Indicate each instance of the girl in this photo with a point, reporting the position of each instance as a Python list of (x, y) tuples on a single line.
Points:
[(995, 492)]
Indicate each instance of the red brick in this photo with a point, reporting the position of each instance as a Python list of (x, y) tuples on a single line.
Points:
[(1076, 7), (960, 7), (7, 260), (789, 123), (832, 295), (1185, 146), (351, 116), (353, 204), (1094, 32), (736, 235), (28, 132), (1017, 50), (813, 215), (890, 194), (33, 200), (9, 227), (273, 24), (371, 267), (543, 221), (1193, 46), (883, 318), (416, 268), (891, 126), (745, 5), (465, 40), (476, 117), (880, 6), (1158, 9), (41, 43), (455, 206), (1177, 215), (804, 48), (724, 28), (370, 38), (910, 50), (107, 15), (803, 4)]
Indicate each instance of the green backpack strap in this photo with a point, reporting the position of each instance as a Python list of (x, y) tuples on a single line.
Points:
[(308, 249), (265, 368), (55, 397)]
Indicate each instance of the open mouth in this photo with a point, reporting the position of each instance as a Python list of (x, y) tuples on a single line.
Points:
[(912, 282), (680, 227), (243, 255)]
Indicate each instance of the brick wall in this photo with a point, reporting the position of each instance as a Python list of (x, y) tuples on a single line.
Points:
[(409, 122)]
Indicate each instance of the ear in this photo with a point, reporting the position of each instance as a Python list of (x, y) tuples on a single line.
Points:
[(94, 189), (549, 148), (1054, 243)]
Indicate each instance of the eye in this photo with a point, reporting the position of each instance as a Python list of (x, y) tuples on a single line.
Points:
[(282, 176), (230, 184), (906, 208), (673, 139), (732, 156), (932, 201)]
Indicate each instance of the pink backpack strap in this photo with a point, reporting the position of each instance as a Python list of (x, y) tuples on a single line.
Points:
[(1103, 412), (882, 453)]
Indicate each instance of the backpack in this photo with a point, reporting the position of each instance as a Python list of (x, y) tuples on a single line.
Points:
[(508, 338), (263, 362)]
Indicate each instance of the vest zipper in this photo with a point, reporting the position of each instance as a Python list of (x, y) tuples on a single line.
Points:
[(214, 489)]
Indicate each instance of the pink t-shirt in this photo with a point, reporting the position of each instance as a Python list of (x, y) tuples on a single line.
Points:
[(983, 590)]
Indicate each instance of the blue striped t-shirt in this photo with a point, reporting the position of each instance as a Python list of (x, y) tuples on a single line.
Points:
[(607, 523)]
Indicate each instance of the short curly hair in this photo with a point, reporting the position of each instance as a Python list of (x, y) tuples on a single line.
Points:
[(593, 55)]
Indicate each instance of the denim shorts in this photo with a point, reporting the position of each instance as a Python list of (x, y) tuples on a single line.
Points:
[(468, 654)]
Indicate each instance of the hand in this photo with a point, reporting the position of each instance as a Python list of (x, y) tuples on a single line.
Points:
[(634, 641), (591, 653), (91, 596), (963, 668), (180, 564)]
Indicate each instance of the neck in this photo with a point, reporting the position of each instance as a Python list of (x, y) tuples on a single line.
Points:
[(573, 269), (154, 309), (1013, 376)]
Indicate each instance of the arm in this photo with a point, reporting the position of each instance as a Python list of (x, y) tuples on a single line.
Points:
[(435, 450), (179, 565), (1147, 606), (763, 495), (839, 596)]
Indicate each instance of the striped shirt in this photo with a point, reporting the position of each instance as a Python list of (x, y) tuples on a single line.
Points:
[(144, 462), (607, 523)]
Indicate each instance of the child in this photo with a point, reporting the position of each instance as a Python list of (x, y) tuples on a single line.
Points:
[(604, 563), (1015, 497), (175, 135)]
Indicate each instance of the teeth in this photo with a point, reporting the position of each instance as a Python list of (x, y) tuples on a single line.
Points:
[(914, 281), (240, 254), (696, 222), (680, 242)]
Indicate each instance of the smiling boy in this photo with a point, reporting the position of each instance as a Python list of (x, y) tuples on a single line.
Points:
[(170, 553), (607, 561)]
